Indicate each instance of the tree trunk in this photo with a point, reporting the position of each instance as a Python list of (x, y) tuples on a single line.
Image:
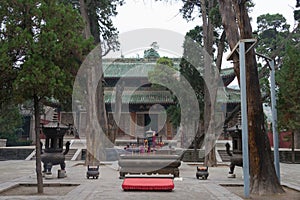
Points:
[(96, 139), (263, 179), (38, 145), (293, 147), (118, 109), (231, 30), (88, 14), (210, 156), (84, 14), (100, 103), (95, 32), (89, 160), (221, 47), (297, 139)]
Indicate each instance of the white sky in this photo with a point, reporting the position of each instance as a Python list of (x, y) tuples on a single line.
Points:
[(135, 14), (139, 14)]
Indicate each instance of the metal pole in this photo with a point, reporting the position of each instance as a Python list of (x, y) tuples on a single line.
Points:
[(244, 118), (274, 120)]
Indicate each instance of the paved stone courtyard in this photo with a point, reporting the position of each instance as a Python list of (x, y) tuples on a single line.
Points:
[(108, 186)]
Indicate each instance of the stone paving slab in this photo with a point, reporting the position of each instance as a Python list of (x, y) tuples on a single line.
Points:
[(108, 186)]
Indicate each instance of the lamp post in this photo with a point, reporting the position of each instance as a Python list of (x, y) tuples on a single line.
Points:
[(270, 62), (240, 46)]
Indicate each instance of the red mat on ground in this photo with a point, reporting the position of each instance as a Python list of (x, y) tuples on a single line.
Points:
[(148, 184)]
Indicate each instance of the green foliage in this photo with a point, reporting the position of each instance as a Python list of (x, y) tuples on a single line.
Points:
[(193, 76), (271, 33), (100, 13), (151, 54), (162, 71), (174, 114), (10, 120), (104, 10), (297, 15), (191, 65), (288, 79), (295, 36), (274, 22), (215, 17), (265, 89), (44, 47), (264, 85), (165, 61), (190, 9), (196, 34), (18, 142)]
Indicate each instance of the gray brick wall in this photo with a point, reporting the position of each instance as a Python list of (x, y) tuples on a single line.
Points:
[(14, 154)]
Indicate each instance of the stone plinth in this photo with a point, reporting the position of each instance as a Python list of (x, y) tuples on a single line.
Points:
[(3, 142)]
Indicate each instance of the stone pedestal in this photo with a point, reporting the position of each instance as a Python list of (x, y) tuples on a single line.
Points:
[(61, 173), (3, 142)]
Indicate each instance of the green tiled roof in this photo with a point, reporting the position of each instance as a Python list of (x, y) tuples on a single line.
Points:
[(141, 97), (140, 68), (230, 96), (227, 72), (115, 70)]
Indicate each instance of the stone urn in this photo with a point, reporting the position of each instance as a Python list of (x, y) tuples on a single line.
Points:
[(53, 153)]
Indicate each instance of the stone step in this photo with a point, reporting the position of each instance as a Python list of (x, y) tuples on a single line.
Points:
[(70, 154), (224, 156)]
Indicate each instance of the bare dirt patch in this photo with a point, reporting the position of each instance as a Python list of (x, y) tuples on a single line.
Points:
[(289, 194), (31, 189)]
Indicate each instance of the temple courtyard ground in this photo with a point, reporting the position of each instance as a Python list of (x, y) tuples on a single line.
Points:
[(76, 186)]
